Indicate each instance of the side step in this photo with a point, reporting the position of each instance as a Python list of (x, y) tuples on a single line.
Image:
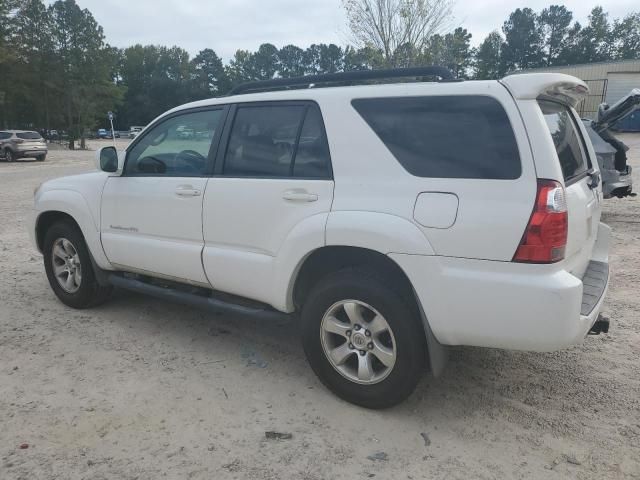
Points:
[(600, 326), (187, 298)]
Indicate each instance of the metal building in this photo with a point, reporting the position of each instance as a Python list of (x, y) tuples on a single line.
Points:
[(608, 81)]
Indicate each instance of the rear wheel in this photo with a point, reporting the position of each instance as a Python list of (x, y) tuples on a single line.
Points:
[(41, 158), (69, 268), (364, 338)]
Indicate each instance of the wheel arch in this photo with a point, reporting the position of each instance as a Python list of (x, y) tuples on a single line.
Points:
[(328, 259), (69, 205), (331, 258), (46, 219)]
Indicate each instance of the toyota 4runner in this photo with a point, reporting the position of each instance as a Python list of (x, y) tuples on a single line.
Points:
[(392, 219)]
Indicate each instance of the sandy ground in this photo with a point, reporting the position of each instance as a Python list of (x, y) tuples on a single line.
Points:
[(143, 389)]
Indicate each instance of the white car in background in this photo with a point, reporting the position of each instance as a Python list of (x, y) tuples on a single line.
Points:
[(135, 131), (393, 219)]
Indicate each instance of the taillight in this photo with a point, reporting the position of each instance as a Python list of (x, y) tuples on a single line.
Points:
[(18, 140), (545, 238)]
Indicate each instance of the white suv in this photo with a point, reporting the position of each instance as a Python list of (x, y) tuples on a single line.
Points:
[(394, 219)]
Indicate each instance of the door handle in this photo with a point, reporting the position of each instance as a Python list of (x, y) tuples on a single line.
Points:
[(299, 196), (187, 191)]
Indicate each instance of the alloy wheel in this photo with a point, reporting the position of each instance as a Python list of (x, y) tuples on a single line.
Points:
[(67, 268), (358, 342)]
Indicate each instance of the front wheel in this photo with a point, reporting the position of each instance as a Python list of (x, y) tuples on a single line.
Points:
[(364, 338), (69, 269), (9, 156)]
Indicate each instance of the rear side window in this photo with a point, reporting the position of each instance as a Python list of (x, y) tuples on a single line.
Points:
[(282, 141), (4, 135), (566, 138), (29, 135), (446, 136)]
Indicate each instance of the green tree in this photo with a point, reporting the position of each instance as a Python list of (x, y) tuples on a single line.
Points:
[(626, 37), (595, 42), (571, 52), (239, 69), (487, 64), (246, 66), (158, 78), (209, 78), (7, 58), (264, 62), (87, 90), (323, 58), (458, 57), (34, 91), (366, 58), (291, 61), (522, 48), (554, 22)]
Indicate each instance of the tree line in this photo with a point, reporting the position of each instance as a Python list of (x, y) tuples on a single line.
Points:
[(58, 71)]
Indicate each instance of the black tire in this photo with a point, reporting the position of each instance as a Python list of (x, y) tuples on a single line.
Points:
[(90, 293), (401, 314), (8, 155), (41, 158)]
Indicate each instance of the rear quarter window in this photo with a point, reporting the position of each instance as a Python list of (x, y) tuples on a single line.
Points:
[(458, 136), (567, 139)]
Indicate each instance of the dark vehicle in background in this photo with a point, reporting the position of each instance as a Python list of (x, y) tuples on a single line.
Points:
[(15, 144), (611, 152), (104, 133)]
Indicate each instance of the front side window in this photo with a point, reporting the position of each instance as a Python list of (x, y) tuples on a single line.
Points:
[(462, 136), (277, 141), (177, 147), (566, 138)]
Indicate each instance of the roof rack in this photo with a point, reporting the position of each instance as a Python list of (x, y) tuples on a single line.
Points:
[(343, 78)]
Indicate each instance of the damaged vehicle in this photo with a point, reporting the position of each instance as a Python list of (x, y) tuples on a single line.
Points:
[(611, 152)]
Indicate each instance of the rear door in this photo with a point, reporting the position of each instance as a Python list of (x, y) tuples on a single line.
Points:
[(583, 192), (273, 173)]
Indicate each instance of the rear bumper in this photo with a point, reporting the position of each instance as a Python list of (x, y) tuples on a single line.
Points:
[(30, 152), (508, 305)]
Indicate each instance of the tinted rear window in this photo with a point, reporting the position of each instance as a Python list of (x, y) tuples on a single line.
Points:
[(4, 135), (445, 136), (566, 138), (29, 135)]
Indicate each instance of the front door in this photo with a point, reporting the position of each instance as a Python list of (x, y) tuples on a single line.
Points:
[(151, 218)]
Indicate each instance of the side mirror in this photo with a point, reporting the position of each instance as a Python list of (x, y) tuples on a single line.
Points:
[(107, 159)]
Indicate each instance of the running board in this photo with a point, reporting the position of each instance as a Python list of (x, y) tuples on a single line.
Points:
[(192, 299)]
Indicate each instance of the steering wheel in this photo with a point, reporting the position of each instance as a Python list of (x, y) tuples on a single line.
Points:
[(193, 159)]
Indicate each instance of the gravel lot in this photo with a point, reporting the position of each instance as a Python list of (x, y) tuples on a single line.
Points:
[(144, 389)]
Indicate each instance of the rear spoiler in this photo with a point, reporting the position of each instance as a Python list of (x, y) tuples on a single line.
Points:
[(550, 86)]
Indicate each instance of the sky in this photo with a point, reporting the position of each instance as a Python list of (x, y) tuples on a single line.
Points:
[(228, 25)]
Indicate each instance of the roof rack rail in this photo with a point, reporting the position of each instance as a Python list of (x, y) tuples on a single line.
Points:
[(345, 78)]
